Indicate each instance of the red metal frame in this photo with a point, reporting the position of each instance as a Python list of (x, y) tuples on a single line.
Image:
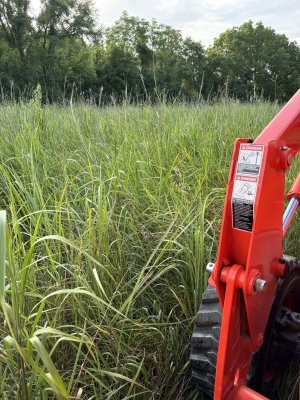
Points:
[(243, 256)]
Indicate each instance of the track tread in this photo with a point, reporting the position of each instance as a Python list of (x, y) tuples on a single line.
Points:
[(205, 341)]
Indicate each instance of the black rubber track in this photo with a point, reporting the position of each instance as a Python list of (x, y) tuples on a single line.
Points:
[(205, 341)]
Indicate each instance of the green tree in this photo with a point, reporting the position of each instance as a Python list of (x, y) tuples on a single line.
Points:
[(167, 45), (118, 72), (10, 66), (61, 24), (253, 60), (17, 30), (75, 69), (193, 67), (178, 62), (132, 35), (167, 63)]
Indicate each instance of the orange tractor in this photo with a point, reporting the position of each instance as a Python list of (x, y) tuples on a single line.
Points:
[(247, 329)]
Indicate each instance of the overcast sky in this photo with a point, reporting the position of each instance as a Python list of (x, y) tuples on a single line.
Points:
[(204, 20)]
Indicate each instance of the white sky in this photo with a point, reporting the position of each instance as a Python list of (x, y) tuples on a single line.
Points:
[(204, 20)]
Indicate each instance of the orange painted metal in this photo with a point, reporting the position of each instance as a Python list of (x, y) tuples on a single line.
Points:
[(244, 392), (295, 189), (285, 126), (247, 254)]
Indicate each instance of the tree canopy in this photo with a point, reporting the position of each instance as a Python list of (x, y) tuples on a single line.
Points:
[(255, 59), (64, 51)]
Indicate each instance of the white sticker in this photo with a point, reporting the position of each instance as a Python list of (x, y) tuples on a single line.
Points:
[(245, 186), (250, 158)]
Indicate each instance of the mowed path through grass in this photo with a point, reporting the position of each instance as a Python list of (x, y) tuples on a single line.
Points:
[(112, 216)]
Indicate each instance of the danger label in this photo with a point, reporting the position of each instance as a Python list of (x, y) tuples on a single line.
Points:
[(249, 160), (245, 186)]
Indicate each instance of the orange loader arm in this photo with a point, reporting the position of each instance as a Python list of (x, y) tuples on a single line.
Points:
[(249, 260)]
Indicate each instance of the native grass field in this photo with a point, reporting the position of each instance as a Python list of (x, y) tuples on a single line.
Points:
[(112, 215)]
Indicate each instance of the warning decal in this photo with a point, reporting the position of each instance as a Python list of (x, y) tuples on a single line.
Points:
[(245, 186), (242, 216), (250, 159)]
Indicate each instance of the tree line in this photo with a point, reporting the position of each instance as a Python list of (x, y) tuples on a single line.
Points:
[(63, 50)]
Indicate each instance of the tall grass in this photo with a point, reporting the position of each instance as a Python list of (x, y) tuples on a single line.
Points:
[(112, 216)]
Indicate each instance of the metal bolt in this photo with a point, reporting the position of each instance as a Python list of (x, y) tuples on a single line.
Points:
[(210, 266), (284, 148), (260, 285)]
